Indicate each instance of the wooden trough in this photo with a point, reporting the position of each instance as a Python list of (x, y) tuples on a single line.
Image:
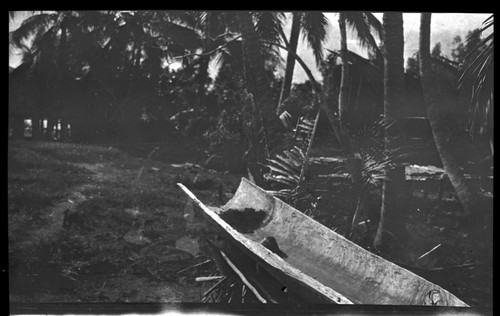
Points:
[(316, 263)]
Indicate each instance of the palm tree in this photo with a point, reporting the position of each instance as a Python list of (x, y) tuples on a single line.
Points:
[(208, 31), (211, 27), (344, 85), (113, 45), (42, 38), (259, 88), (314, 26), (362, 23), (21, 96), (128, 41), (247, 39), (392, 215), (48, 40), (440, 114)]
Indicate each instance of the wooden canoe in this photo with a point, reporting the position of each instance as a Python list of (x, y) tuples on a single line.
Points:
[(321, 265)]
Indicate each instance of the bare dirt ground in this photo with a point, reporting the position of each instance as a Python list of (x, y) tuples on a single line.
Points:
[(135, 235)]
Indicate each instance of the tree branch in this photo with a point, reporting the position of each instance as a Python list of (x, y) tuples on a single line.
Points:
[(283, 36)]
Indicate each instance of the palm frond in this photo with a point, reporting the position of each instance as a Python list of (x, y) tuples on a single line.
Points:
[(267, 25), (32, 27), (290, 168), (478, 75), (21, 14), (229, 53), (285, 169), (200, 19), (374, 23), (363, 24), (287, 165), (489, 21), (486, 25), (376, 157), (315, 26), (46, 45), (190, 19)]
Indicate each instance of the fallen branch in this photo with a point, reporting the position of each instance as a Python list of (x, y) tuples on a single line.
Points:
[(209, 278), (428, 252), (243, 278), (213, 288), (194, 266)]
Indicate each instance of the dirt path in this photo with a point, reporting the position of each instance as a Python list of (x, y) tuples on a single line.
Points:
[(137, 236), (55, 214)]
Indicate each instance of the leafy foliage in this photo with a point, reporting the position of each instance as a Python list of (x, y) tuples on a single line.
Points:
[(315, 26), (366, 25), (290, 167), (478, 75), (268, 26)]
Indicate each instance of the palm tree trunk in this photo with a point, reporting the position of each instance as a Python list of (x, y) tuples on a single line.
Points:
[(344, 82), (437, 103), (255, 75), (258, 86), (290, 61), (392, 214)]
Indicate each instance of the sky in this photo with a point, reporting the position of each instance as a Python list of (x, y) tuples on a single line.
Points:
[(444, 28)]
